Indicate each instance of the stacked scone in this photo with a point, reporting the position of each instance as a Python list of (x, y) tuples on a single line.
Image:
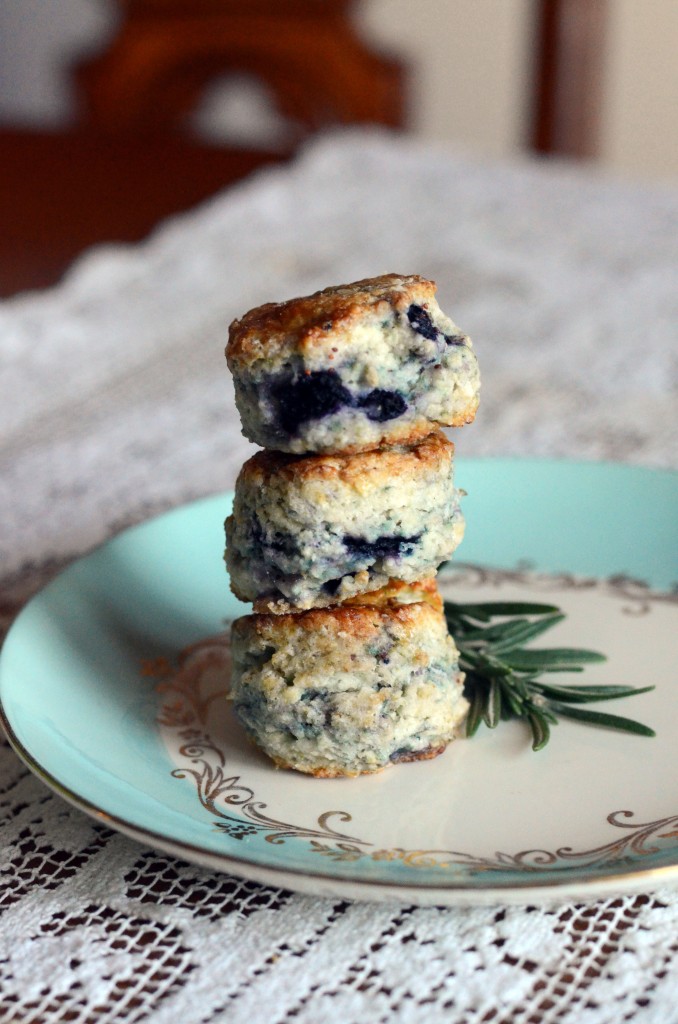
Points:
[(339, 526)]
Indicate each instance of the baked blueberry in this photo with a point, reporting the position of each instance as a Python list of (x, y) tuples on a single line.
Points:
[(311, 396), (421, 322), (380, 405)]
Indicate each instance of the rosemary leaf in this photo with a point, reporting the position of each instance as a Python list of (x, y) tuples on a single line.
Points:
[(513, 699), (602, 719), (494, 634), (588, 694), (541, 730), (486, 610), (492, 710), (529, 631), (555, 659), (491, 666), (503, 677), (476, 693)]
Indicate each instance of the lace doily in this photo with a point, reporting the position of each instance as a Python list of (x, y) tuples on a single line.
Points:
[(116, 404), (97, 928)]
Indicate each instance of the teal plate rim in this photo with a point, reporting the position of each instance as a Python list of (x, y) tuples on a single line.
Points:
[(539, 497)]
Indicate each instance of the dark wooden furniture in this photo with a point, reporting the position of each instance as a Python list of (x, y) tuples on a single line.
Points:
[(131, 161), (570, 37), (63, 192), (306, 51)]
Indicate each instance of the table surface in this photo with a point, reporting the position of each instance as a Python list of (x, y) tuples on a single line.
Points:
[(116, 405)]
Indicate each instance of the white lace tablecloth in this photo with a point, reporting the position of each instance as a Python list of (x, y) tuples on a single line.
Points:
[(116, 404)]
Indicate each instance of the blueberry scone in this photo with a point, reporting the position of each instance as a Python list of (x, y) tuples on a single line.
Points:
[(348, 690), (351, 368), (312, 531)]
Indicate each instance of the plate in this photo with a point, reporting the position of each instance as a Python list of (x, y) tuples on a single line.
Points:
[(99, 705)]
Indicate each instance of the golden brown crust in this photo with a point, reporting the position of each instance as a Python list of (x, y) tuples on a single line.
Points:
[(298, 324), (358, 621), (427, 754), (392, 462), (398, 592)]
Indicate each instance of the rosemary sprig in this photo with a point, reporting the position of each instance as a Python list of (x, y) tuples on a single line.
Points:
[(503, 677)]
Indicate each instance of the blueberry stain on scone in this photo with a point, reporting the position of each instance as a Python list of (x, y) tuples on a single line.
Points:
[(317, 395), (311, 531), (351, 368), (311, 396), (390, 546), (380, 406), (421, 322)]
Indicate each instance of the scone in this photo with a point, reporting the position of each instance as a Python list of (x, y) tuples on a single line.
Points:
[(351, 368), (312, 531), (348, 690)]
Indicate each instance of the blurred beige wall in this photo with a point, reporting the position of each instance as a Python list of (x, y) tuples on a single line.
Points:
[(470, 64), (640, 89)]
